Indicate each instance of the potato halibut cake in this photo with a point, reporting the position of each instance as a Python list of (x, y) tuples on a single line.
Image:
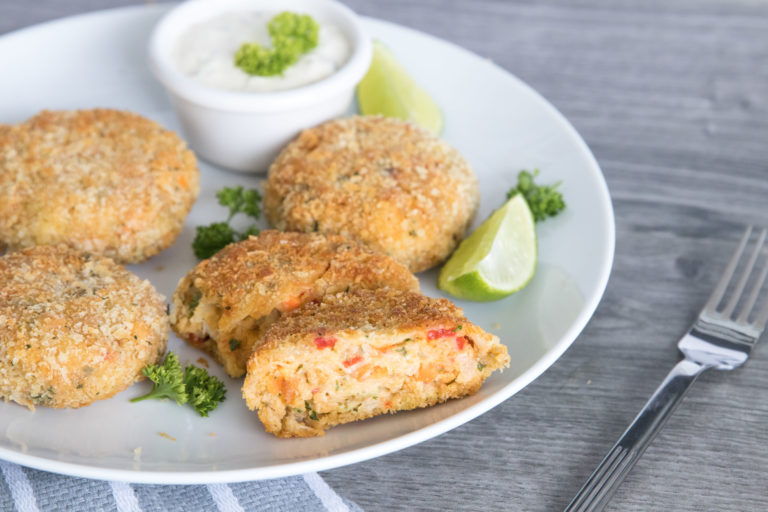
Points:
[(225, 304), (74, 327), (387, 183), (104, 181), (363, 353)]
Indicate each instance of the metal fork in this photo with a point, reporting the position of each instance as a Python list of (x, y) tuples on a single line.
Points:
[(720, 338)]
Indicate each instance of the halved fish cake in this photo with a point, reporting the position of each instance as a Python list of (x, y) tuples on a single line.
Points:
[(363, 353), (225, 304)]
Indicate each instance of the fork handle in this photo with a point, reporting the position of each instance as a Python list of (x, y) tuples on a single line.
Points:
[(598, 490)]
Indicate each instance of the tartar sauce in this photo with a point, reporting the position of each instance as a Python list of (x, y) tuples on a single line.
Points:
[(206, 52)]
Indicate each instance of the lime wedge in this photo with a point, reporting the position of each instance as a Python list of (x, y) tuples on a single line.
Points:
[(498, 259), (388, 90)]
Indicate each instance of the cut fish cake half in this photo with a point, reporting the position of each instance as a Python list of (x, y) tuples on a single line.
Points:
[(225, 304), (364, 353)]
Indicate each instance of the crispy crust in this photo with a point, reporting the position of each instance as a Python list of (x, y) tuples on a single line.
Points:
[(108, 182), (245, 287), (366, 311), (74, 327), (384, 182), (364, 353)]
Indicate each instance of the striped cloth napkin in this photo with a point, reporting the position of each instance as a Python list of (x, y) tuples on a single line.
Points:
[(28, 490)]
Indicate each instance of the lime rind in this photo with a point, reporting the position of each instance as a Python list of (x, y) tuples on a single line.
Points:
[(497, 259), (388, 90)]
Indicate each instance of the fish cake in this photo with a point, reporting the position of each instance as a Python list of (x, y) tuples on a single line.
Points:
[(364, 353), (225, 304), (74, 327), (387, 183), (108, 182)]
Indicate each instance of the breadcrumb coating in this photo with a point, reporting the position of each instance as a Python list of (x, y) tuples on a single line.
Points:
[(387, 183), (74, 327), (224, 305), (363, 353), (104, 181)]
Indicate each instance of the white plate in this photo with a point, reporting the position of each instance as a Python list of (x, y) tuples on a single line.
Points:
[(496, 121)]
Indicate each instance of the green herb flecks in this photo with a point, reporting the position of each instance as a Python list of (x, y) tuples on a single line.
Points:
[(312, 412), (543, 200), (44, 398), (212, 238), (234, 344), (292, 36), (194, 302)]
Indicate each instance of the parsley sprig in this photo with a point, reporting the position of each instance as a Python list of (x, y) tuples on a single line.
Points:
[(169, 381), (204, 391), (212, 238), (192, 385), (543, 200)]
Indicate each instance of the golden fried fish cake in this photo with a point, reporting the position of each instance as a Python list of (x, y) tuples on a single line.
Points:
[(74, 327), (104, 181), (387, 183)]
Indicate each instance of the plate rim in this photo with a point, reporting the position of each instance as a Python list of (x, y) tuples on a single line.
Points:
[(280, 470)]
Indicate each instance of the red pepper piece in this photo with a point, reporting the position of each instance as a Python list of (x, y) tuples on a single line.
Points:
[(353, 360), (323, 342), (434, 334)]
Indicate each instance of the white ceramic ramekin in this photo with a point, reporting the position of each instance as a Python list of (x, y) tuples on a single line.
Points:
[(244, 131)]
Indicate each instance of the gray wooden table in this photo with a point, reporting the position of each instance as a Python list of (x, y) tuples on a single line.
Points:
[(672, 97)]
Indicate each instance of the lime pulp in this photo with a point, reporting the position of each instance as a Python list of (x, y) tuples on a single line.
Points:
[(497, 259), (388, 90)]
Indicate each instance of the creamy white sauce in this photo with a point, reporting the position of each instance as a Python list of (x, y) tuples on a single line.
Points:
[(206, 52)]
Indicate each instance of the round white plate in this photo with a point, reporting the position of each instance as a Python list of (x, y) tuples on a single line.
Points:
[(500, 125)]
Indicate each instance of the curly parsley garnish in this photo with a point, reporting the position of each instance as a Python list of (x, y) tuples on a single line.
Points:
[(292, 36), (204, 391), (543, 200), (169, 380), (192, 385), (212, 238)]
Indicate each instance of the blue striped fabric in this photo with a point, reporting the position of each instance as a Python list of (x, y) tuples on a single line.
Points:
[(6, 501), (51, 491), (174, 498), (291, 494), (29, 490)]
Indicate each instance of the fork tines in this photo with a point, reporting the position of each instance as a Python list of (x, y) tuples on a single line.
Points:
[(746, 276)]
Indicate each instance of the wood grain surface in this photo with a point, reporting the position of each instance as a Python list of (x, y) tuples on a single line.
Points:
[(672, 97)]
